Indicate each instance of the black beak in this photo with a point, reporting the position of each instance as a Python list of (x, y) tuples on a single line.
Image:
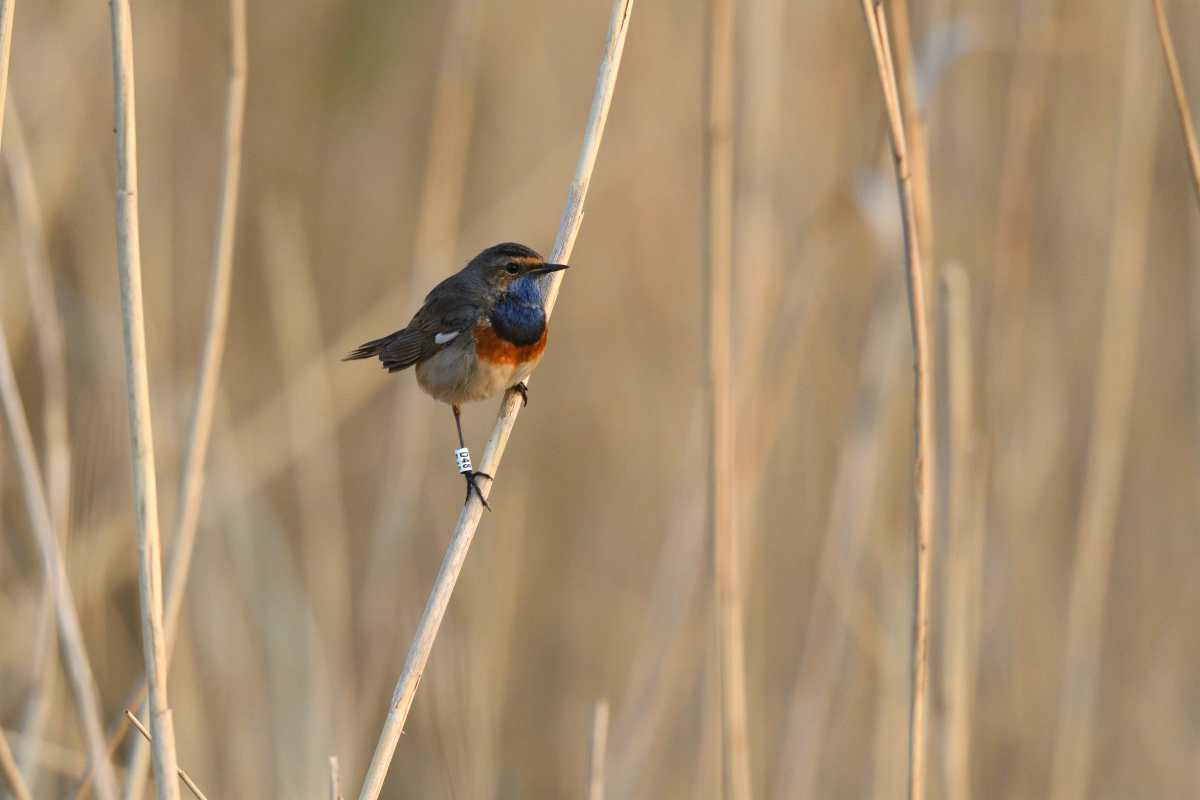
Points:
[(544, 268)]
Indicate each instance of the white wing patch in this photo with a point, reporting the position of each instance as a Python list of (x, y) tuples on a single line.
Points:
[(442, 338)]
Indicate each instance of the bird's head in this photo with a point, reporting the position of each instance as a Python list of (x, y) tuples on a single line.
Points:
[(504, 264)]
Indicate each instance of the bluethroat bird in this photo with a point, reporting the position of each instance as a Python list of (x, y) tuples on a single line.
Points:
[(480, 331)]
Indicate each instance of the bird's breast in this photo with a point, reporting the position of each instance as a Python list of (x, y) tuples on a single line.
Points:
[(493, 349)]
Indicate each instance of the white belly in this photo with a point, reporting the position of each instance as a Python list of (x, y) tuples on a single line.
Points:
[(455, 376)]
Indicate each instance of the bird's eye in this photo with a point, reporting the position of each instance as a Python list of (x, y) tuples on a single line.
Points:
[(511, 268)]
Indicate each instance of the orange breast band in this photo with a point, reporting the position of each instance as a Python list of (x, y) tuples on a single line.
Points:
[(490, 348)]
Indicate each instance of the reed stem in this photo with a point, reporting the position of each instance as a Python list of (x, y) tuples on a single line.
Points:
[(191, 479), (1181, 102), (137, 384), (335, 784), (923, 468), (182, 775)]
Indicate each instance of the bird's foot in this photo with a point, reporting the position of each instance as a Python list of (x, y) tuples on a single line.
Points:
[(522, 390), (472, 485)]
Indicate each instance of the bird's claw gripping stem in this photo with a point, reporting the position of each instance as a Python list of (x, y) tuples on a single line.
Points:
[(471, 476), (522, 390)]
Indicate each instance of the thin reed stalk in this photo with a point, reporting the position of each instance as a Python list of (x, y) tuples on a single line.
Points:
[(191, 479), (182, 775), (599, 750), (1181, 102), (7, 7), (914, 124), (70, 633), (12, 775), (735, 759), (335, 783), (1112, 406), (137, 384), (468, 520), (923, 468)]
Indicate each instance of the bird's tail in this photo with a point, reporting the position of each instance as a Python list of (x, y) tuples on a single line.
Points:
[(370, 349)]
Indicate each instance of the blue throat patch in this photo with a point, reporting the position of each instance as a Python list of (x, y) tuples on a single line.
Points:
[(519, 316)]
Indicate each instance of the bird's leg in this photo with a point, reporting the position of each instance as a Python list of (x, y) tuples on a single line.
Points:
[(458, 424), (470, 475), (522, 390)]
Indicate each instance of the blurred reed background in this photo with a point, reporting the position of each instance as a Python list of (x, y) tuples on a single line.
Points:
[(385, 144)]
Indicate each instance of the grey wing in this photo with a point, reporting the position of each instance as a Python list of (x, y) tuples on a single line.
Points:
[(407, 347), (448, 312), (434, 327)]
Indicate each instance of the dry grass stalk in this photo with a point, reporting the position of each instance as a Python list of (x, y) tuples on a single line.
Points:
[(7, 7), (8, 766), (923, 468), (1112, 405), (191, 479), (734, 745), (145, 492), (468, 520), (964, 557), (70, 634), (182, 775), (335, 784), (599, 750), (1181, 102), (914, 124)]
